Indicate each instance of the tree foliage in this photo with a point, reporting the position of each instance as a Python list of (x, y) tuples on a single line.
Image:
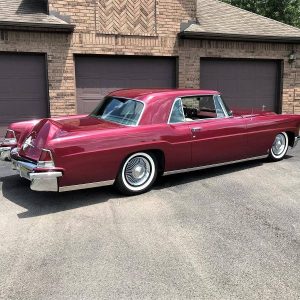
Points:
[(286, 11)]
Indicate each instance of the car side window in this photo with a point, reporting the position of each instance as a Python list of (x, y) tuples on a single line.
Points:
[(202, 107), (177, 114)]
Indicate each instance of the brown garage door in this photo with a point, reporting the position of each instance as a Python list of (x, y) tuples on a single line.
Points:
[(96, 76), (23, 88), (243, 83)]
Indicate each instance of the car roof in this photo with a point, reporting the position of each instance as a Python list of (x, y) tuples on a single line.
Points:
[(147, 94)]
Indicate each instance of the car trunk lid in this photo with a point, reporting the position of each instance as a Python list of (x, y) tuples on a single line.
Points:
[(48, 129)]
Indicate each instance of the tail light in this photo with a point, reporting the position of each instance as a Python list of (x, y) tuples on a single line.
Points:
[(46, 159), (10, 138)]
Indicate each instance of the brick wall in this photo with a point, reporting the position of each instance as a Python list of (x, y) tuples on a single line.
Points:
[(88, 15), (191, 52), (111, 37), (90, 38)]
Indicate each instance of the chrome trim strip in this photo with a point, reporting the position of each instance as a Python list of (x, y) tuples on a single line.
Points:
[(85, 186), (45, 175), (213, 166)]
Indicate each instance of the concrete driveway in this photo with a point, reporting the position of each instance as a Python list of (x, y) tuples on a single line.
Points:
[(225, 233)]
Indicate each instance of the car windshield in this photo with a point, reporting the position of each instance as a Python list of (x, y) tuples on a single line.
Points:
[(119, 110)]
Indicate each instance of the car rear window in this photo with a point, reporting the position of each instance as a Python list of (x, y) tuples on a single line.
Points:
[(119, 110)]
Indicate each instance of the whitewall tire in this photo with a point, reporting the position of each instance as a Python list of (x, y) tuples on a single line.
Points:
[(137, 174), (280, 147)]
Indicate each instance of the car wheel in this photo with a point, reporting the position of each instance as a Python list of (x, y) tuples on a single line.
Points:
[(279, 147), (137, 174)]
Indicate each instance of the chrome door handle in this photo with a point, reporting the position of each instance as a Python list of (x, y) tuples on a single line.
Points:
[(196, 129)]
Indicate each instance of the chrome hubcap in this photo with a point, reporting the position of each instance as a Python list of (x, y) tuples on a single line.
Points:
[(279, 144), (137, 171)]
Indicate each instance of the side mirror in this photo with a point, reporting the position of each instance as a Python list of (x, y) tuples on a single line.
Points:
[(230, 113)]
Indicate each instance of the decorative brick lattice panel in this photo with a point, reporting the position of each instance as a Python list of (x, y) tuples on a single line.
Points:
[(126, 17)]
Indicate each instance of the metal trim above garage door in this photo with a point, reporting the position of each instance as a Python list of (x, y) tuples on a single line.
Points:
[(98, 75), (244, 83), (24, 92)]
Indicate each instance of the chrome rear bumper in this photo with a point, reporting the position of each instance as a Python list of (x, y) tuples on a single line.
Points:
[(42, 181), (5, 153)]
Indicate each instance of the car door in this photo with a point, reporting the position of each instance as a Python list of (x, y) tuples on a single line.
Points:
[(216, 136), (179, 138), (261, 132)]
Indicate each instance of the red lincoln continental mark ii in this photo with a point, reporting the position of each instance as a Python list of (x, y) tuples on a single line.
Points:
[(135, 135)]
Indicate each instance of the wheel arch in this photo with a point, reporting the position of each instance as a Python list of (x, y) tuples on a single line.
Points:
[(160, 156), (291, 136)]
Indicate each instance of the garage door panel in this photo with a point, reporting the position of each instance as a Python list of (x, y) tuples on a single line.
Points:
[(243, 83), (28, 87), (23, 88), (23, 66), (96, 76)]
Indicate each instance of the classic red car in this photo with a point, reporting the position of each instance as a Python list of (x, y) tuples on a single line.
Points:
[(135, 135)]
